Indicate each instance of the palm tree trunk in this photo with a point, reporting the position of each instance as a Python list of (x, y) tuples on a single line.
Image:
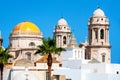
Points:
[(49, 63), (1, 70), (1, 75), (49, 73)]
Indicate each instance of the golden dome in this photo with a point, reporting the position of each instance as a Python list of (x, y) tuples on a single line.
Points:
[(26, 28)]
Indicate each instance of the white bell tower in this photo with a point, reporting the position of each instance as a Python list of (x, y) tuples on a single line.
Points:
[(62, 33), (98, 35)]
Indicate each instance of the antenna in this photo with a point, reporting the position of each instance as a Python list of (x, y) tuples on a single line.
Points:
[(62, 15)]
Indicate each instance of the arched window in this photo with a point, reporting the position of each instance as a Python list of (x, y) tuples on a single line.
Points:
[(101, 19), (101, 34), (91, 34), (103, 57), (31, 44), (10, 45), (64, 40), (117, 72), (28, 56), (97, 20)]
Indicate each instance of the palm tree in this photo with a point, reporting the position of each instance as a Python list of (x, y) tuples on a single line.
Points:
[(4, 56), (49, 47)]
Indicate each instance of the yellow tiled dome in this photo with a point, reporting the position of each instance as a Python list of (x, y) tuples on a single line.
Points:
[(26, 28)]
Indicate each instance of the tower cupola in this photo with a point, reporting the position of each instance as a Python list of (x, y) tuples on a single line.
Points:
[(62, 26), (98, 18), (98, 13), (62, 33), (98, 26)]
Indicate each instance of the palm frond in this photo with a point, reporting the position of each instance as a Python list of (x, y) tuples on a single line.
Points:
[(49, 46), (4, 55)]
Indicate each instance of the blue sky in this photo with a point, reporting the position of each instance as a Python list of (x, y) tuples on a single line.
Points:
[(46, 13)]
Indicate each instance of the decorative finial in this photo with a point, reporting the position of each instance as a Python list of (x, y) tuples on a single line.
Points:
[(98, 6), (62, 15)]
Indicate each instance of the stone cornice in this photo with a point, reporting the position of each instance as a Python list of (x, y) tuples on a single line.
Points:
[(98, 46), (21, 49), (26, 37), (89, 25)]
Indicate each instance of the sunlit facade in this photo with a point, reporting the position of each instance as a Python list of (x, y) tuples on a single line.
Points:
[(88, 61)]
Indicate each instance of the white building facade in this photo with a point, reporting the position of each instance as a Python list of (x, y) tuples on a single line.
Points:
[(96, 62)]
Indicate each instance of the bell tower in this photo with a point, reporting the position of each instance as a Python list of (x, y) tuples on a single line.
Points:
[(98, 35), (62, 33)]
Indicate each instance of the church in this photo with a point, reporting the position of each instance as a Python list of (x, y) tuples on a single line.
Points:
[(89, 60)]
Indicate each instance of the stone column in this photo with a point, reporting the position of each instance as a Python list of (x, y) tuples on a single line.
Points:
[(93, 36), (98, 35), (108, 36), (61, 41)]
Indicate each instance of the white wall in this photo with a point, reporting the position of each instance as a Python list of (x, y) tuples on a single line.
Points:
[(73, 74), (33, 73), (44, 65)]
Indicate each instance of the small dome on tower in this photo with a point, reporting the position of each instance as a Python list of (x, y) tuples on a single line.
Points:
[(62, 21), (98, 13)]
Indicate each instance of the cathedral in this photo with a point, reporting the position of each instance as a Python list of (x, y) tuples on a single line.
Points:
[(88, 59), (26, 36)]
